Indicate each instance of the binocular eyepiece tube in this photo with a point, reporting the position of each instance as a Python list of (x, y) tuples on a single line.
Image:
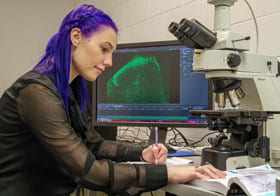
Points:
[(193, 34)]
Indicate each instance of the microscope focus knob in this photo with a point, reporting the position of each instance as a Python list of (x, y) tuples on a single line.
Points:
[(233, 60)]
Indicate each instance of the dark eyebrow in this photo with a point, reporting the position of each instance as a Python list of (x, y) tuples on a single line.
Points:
[(111, 46)]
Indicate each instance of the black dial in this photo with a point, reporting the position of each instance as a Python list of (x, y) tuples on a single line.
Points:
[(233, 60)]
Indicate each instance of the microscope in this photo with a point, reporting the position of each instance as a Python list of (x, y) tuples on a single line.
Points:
[(246, 90)]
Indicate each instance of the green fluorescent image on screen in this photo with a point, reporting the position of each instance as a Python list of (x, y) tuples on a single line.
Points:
[(139, 81)]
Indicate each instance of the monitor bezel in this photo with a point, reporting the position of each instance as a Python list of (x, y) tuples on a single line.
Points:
[(145, 124)]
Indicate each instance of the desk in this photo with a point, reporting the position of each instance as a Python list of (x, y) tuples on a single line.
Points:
[(185, 190)]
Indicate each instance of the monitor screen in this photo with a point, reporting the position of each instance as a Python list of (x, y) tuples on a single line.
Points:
[(150, 84)]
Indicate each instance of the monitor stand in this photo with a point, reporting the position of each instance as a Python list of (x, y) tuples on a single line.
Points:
[(162, 132), (107, 132)]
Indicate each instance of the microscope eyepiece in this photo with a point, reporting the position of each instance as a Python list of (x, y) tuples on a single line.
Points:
[(188, 27), (178, 31), (173, 27), (197, 35)]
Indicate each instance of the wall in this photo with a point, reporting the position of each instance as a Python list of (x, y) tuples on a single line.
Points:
[(26, 27), (148, 20)]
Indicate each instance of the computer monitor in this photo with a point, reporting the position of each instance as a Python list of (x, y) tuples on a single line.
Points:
[(150, 84)]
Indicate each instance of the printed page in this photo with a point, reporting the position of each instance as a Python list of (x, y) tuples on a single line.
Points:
[(257, 182), (176, 161), (217, 185), (222, 185)]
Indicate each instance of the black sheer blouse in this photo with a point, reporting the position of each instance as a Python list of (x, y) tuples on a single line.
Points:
[(42, 152)]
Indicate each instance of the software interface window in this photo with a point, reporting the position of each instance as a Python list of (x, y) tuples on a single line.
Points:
[(151, 84)]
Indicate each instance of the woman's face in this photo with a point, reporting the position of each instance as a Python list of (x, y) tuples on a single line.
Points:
[(91, 56)]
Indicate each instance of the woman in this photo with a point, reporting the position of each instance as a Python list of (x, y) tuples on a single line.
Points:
[(46, 145)]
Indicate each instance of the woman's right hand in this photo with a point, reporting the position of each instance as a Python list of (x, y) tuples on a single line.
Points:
[(182, 174)]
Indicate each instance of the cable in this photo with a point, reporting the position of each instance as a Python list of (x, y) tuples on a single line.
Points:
[(256, 25), (126, 134), (183, 137), (134, 135), (174, 141)]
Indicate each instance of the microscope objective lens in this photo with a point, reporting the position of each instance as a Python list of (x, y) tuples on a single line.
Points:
[(234, 100), (221, 100), (240, 93)]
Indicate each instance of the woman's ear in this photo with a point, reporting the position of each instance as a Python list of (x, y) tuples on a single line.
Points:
[(76, 36)]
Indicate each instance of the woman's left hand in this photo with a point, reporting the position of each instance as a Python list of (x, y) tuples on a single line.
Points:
[(153, 152)]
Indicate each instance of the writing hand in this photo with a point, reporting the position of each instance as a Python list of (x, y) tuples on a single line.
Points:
[(152, 152)]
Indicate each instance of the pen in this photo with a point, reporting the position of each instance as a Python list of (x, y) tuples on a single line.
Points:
[(156, 143)]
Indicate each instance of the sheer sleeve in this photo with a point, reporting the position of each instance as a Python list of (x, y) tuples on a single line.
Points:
[(44, 114), (114, 150)]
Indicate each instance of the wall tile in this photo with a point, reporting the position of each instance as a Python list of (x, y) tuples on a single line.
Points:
[(151, 30), (117, 15), (266, 7), (241, 12), (269, 35), (161, 6), (186, 1), (135, 11), (127, 35)]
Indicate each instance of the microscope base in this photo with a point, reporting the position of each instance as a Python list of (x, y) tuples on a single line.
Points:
[(219, 159)]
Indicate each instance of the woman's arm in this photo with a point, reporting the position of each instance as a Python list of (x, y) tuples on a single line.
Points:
[(113, 150), (43, 113)]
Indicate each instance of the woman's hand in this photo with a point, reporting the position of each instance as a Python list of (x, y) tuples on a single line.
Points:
[(182, 174), (152, 152)]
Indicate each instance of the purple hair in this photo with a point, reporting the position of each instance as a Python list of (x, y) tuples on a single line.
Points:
[(57, 58)]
